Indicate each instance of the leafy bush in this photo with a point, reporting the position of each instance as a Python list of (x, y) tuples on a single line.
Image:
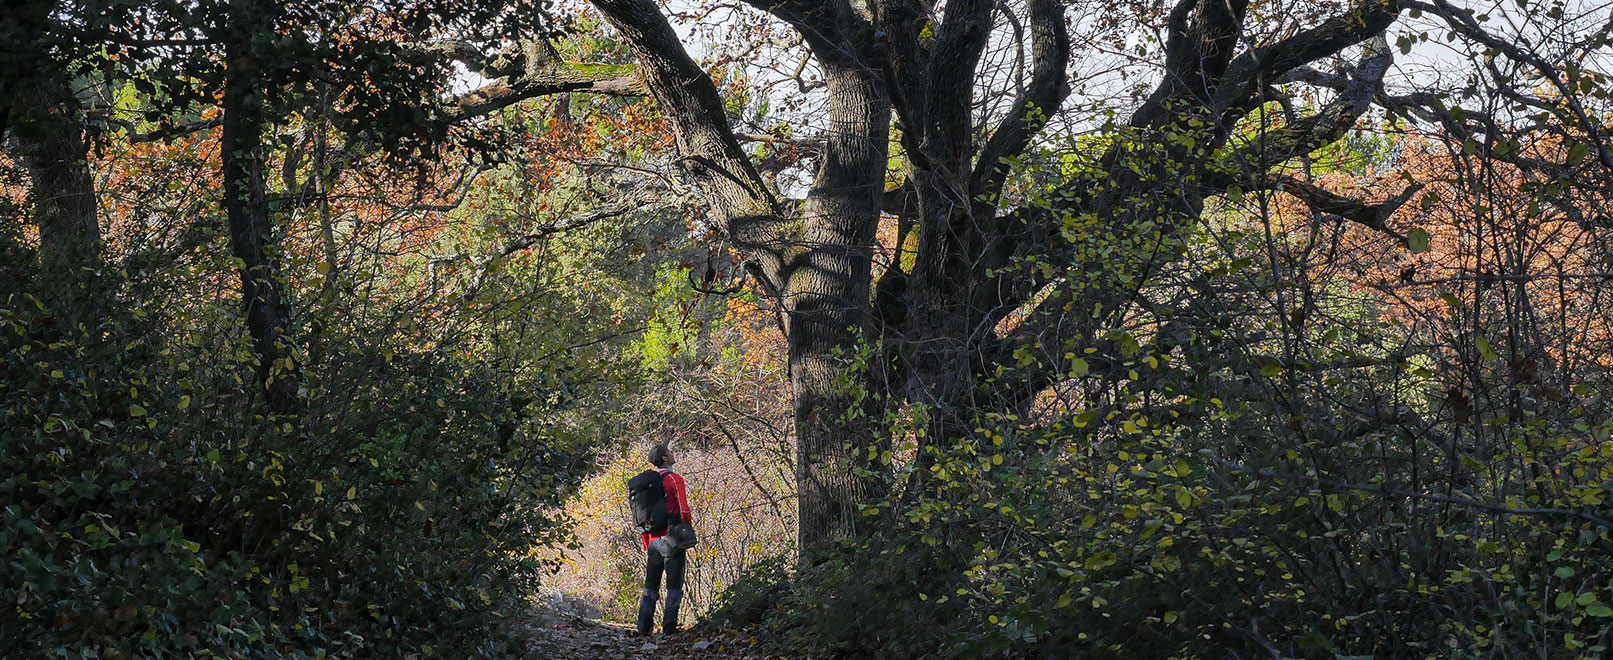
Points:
[(151, 508), (1147, 548)]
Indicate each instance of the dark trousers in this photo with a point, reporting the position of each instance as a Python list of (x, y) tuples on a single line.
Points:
[(672, 563)]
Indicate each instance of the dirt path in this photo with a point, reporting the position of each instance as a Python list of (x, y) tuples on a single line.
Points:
[(569, 638)]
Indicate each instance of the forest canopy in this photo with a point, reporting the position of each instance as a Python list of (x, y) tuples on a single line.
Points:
[(1032, 328)]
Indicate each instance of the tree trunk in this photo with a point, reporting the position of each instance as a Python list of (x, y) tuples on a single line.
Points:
[(51, 136), (837, 402), (819, 269), (268, 320)]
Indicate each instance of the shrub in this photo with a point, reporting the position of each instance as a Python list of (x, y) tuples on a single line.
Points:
[(151, 509)]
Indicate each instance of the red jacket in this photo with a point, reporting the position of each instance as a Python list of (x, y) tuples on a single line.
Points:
[(677, 504)]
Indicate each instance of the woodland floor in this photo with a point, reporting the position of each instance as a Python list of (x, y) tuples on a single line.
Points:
[(574, 638)]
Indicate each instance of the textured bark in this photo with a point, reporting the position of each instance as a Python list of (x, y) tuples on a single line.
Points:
[(827, 284), (956, 230), (23, 28), (252, 236), (743, 204), (826, 279)]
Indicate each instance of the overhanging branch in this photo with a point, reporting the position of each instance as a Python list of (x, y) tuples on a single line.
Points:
[(557, 78)]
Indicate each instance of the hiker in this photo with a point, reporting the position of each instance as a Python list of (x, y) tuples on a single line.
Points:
[(665, 539)]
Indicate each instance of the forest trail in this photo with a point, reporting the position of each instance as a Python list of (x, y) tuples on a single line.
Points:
[(575, 638)]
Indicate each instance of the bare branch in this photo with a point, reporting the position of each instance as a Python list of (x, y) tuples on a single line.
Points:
[(1464, 24), (1040, 100), (462, 184), (485, 266), (747, 209), (1321, 200), (814, 145), (1254, 69)]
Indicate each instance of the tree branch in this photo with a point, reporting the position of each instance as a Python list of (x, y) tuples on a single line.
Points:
[(1321, 200), (803, 143), (1463, 23), (164, 132), (558, 78), (950, 79), (746, 209), (1040, 100), (1253, 70)]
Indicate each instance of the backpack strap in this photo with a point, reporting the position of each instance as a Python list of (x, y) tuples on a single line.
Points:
[(672, 513)]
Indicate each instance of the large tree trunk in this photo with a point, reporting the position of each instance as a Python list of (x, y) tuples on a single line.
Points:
[(827, 287), (944, 329), (49, 130), (268, 320), (819, 268)]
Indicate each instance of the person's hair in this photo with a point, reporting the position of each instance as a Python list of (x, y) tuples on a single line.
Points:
[(658, 454)]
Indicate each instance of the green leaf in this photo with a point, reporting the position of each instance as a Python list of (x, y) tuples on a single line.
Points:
[(1599, 610), (1484, 348), (1577, 153), (136, 411), (1417, 240), (1078, 367), (1563, 599)]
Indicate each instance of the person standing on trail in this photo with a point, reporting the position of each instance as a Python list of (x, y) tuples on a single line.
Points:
[(663, 553)]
